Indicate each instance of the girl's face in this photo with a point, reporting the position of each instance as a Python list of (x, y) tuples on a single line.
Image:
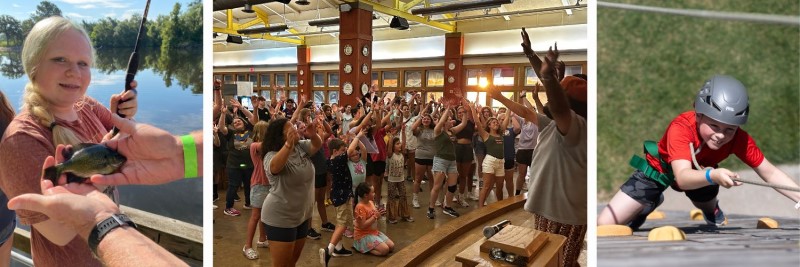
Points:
[(713, 133), (397, 147), (371, 195), (426, 120), (238, 124), (347, 108), (486, 112), (493, 124), (355, 157), (64, 72)]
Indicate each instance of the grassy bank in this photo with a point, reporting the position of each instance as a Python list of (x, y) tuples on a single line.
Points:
[(650, 66)]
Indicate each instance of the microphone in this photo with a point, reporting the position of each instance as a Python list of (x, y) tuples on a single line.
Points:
[(491, 230)]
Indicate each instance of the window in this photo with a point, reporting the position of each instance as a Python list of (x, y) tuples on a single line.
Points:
[(319, 97), (292, 80), (253, 79), (413, 78), (375, 78), (530, 77), (280, 79), (477, 97), (228, 79), (472, 77), (497, 104), (333, 79), (266, 94), (503, 76), (333, 97), (435, 78), (390, 78), (319, 79), (434, 96), (265, 80), (241, 78), (293, 95), (570, 70)]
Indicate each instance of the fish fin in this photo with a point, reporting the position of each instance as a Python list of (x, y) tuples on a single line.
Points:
[(52, 173)]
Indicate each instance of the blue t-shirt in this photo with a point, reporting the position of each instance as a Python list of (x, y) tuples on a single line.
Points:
[(508, 144), (342, 187)]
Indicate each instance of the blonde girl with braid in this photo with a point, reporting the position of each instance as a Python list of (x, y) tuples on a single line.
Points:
[(57, 57)]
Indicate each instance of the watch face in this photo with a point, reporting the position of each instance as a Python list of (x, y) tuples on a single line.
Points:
[(348, 68), (348, 50), (347, 89), (365, 50), (451, 66), (364, 68), (364, 89)]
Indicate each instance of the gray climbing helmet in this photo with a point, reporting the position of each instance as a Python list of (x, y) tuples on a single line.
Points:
[(724, 99)]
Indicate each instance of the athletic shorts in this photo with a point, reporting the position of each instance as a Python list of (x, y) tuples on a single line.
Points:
[(509, 164), (424, 162), (525, 156), (287, 234), (344, 214), (376, 168), (445, 166), (643, 189), (492, 165), (464, 153)]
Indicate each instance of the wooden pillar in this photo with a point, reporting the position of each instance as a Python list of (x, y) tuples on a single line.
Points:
[(355, 51), (304, 72), (453, 65)]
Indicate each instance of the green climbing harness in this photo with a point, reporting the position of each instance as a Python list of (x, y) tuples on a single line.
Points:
[(641, 164)]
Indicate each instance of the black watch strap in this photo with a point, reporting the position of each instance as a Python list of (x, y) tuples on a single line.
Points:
[(104, 227)]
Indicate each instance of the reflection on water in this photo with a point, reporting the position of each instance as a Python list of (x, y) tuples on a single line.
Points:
[(170, 97)]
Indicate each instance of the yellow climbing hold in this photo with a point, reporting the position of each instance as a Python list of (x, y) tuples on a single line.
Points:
[(656, 215), (696, 215), (666, 233), (767, 223), (614, 230)]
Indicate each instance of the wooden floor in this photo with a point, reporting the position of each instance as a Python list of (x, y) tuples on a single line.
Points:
[(737, 244)]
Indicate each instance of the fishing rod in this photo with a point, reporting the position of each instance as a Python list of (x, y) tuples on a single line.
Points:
[(133, 62), (752, 182)]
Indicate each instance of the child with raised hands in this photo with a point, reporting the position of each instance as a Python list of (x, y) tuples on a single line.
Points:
[(398, 203)]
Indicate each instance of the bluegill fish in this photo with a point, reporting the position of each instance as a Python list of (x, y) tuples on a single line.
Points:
[(87, 160)]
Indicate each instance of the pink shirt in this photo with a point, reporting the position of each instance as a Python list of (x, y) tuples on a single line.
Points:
[(23, 150), (258, 176)]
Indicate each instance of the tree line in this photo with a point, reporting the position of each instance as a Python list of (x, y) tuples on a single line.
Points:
[(176, 29)]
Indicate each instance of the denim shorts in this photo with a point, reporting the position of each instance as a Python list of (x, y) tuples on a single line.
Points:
[(443, 165), (258, 192), (5, 233)]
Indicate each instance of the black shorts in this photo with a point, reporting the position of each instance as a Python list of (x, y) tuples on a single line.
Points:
[(320, 180), (643, 189), (376, 168), (508, 164), (287, 234), (464, 153), (424, 162), (525, 156), (702, 194)]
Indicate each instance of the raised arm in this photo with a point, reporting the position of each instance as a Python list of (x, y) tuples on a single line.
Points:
[(221, 124), (479, 123), (556, 97), (351, 149), (515, 123), (506, 120), (539, 105), (442, 122), (247, 113)]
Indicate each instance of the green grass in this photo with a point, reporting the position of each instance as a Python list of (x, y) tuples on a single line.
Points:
[(650, 66)]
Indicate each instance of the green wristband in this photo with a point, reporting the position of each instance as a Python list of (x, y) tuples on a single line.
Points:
[(189, 157)]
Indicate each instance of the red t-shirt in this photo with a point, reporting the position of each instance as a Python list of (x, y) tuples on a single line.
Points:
[(674, 145), (381, 144)]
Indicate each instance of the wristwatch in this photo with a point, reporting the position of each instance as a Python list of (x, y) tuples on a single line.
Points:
[(104, 227)]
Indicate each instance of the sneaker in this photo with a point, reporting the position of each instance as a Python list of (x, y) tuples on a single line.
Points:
[(474, 194), (424, 182), (328, 227), (247, 207), (328, 202), (264, 244), (719, 217), (392, 221), (237, 199), (462, 200), (438, 203), (348, 233), (312, 234), (431, 214), (409, 219), (215, 206), (342, 252), (250, 253), (324, 256), (450, 211), (415, 202), (231, 212)]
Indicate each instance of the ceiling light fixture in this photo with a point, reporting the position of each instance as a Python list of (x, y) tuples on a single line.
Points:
[(302, 2), (460, 7), (278, 28), (248, 8)]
